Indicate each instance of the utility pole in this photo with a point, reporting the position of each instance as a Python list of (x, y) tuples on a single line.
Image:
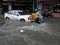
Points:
[(10, 5), (36, 4), (33, 6)]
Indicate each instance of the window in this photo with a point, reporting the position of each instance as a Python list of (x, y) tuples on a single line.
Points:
[(23, 13), (10, 12), (15, 13)]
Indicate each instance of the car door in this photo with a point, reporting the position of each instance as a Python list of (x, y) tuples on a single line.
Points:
[(10, 15), (16, 15)]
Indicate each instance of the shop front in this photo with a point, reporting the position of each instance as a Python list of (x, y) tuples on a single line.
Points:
[(53, 6), (18, 5)]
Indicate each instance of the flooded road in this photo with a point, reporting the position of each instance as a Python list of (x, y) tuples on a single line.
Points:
[(46, 33)]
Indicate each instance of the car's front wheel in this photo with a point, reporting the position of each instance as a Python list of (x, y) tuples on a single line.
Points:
[(22, 20), (7, 18)]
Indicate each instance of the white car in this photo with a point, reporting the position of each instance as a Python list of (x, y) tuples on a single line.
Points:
[(17, 15)]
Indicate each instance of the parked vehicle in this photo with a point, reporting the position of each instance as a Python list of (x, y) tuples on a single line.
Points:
[(17, 15), (48, 13)]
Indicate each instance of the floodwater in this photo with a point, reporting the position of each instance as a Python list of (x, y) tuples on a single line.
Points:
[(46, 33)]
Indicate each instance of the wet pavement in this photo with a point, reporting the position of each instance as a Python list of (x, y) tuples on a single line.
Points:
[(46, 33)]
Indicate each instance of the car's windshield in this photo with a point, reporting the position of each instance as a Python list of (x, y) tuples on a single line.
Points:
[(23, 13)]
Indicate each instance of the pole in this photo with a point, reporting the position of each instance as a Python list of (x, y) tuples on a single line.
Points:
[(33, 5), (36, 4), (10, 6)]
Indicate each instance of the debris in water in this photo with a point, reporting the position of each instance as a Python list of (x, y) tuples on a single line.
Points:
[(21, 31)]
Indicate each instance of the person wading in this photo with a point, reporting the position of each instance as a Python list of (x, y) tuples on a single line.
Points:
[(35, 17)]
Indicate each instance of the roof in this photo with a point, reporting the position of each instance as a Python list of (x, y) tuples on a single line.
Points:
[(17, 10)]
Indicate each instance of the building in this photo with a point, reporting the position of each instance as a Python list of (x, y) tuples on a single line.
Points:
[(18, 4), (31, 5), (53, 5)]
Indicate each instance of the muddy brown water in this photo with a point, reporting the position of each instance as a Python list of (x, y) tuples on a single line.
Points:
[(46, 33)]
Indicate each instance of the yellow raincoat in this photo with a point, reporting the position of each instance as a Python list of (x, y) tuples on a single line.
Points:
[(34, 16)]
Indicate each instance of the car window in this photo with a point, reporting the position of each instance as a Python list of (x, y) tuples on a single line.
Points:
[(15, 13), (23, 13), (10, 12)]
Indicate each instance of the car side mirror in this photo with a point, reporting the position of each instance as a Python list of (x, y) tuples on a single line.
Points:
[(17, 15)]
